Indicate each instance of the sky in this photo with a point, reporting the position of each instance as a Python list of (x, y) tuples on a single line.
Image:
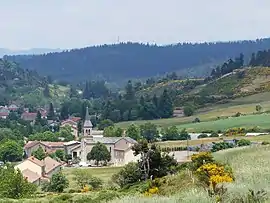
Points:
[(74, 24)]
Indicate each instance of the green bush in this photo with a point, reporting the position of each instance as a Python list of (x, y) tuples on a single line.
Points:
[(202, 136), (128, 175), (243, 142), (265, 143), (221, 146), (214, 134)]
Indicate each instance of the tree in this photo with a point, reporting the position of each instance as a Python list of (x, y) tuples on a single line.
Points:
[(133, 132), (46, 91), (51, 114), (105, 123), (38, 120), (130, 93), (10, 151), (149, 132), (153, 163), (170, 133), (188, 111), (64, 111), (258, 108), (113, 131), (99, 153), (39, 153), (131, 173), (13, 184), (60, 154), (165, 105), (57, 183)]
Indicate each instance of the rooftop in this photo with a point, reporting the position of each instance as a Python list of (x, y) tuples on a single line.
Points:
[(30, 175)]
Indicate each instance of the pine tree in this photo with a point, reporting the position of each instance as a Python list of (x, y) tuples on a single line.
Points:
[(38, 120), (46, 91), (86, 91), (51, 114), (165, 105), (130, 93)]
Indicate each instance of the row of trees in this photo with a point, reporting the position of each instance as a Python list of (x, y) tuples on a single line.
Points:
[(228, 67)]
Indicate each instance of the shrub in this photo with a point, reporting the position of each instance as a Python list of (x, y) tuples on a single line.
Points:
[(196, 120), (220, 146), (265, 143), (95, 182), (211, 174), (188, 111), (199, 159), (243, 142), (202, 136), (131, 173), (57, 183), (214, 135)]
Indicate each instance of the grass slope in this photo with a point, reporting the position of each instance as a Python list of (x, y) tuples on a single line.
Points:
[(250, 166)]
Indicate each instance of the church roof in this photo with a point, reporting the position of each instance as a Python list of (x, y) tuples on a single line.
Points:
[(87, 121), (109, 140)]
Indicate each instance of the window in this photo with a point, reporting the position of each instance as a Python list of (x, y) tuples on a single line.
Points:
[(110, 149)]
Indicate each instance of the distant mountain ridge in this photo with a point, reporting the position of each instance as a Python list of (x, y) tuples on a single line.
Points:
[(119, 62), (4, 51)]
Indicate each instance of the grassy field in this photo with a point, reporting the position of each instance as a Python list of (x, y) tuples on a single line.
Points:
[(251, 169), (261, 121), (244, 105), (210, 140), (104, 173)]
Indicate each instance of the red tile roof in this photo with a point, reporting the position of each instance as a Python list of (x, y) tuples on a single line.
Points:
[(36, 161), (75, 119), (4, 113)]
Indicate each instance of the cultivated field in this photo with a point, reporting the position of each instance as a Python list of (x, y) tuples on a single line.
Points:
[(244, 105), (210, 140)]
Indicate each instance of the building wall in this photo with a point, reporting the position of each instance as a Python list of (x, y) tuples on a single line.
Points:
[(129, 157), (122, 144), (30, 165), (53, 171), (34, 148)]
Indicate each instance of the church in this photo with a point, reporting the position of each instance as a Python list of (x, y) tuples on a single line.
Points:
[(119, 147)]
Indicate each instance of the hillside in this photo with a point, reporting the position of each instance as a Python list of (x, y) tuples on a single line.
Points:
[(17, 84), (123, 61), (242, 82)]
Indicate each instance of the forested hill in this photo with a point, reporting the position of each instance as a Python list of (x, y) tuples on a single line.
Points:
[(133, 60), (17, 81)]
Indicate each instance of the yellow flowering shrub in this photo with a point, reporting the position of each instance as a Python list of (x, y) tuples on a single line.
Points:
[(85, 189), (201, 158), (212, 174), (151, 191)]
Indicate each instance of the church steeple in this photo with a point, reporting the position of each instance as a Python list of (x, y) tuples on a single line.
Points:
[(87, 125)]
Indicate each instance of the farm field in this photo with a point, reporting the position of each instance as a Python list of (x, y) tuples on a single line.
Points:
[(104, 173), (210, 140), (260, 120), (244, 105)]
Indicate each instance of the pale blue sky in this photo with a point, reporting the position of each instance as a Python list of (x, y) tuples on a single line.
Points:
[(79, 23)]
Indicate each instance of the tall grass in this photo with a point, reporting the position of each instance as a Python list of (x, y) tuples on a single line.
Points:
[(251, 167)]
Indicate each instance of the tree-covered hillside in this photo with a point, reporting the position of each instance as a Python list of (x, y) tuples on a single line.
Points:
[(123, 61)]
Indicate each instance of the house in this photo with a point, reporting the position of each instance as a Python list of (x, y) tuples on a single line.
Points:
[(120, 148), (4, 112), (73, 148), (35, 170), (13, 107), (48, 147), (73, 123), (178, 112), (29, 116)]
